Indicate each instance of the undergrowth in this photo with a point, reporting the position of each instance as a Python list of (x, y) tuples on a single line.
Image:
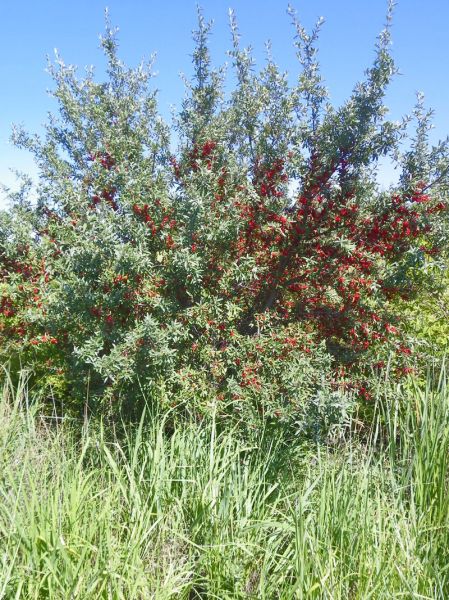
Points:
[(197, 512)]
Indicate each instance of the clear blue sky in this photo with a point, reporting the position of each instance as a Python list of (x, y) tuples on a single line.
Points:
[(31, 29)]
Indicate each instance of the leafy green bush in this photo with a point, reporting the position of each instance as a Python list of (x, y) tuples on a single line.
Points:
[(250, 268)]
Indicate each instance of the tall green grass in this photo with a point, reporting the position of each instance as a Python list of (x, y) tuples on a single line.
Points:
[(198, 513)]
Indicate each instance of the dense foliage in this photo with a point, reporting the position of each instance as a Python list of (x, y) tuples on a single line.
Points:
[(203, 514), (248, 270)]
